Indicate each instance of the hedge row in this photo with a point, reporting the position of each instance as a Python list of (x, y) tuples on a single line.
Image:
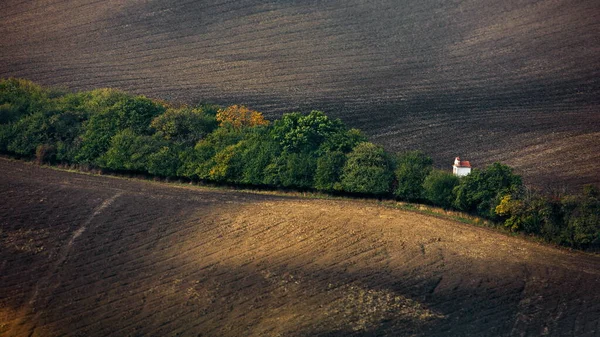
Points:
[(110, 129)]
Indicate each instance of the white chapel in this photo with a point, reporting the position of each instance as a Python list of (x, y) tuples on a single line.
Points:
[(461, 168)]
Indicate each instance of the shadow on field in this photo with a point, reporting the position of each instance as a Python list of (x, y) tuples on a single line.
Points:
[(163, 261), (291, 300)]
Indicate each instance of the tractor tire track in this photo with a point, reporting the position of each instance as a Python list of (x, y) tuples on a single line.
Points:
[(46, 284)]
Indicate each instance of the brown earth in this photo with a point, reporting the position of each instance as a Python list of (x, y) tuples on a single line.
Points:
[(85, 255), (516, 81)]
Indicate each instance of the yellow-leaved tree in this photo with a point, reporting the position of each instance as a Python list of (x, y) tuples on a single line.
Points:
[(238, 116), (513, 210)]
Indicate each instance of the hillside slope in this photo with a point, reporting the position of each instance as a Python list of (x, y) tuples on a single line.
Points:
[(515, 81), (95, 256)]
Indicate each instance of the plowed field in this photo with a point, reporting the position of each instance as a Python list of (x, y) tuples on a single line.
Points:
[(88, 255), (516, 81)]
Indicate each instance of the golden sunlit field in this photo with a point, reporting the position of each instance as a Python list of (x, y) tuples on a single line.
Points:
[(84, 255)]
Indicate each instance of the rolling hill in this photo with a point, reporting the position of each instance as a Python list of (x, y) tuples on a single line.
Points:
[(84, 255), (516, 81)]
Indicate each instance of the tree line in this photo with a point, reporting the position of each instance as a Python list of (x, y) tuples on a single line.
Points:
[(113, 130)]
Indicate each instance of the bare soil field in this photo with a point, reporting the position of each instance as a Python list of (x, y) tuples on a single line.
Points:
[(85, 255), (513, 81)]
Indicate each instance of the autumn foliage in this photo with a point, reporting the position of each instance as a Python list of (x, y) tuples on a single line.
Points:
[(238, 116)]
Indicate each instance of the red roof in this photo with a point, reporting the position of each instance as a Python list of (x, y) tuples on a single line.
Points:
[(464, 163)]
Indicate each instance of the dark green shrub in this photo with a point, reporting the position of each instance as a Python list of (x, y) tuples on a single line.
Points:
[(305, 133), (184, 125), (19, 98), (582, 219), (298, 170), (29, 132), (165, 162), (482, 190), (97, 134), (260, 152), (126, 112), (329, 171), (199, 162), (341, 141), (411, 169), (130, 152), (228, 164), (367, 170), (438, 188)]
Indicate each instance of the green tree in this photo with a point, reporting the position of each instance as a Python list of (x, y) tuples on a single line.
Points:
[(29, 132), (136, 113), (165, 162), (188, 162), (306, 140), (481, 191), (513, 210), (305, 133), (228, 165), (411, 169), (130, 151), (438, 188), (329, 171), (530, 213), (582, 219), (261, 150), (96, 136), (201, 160), (184, 125), (291, 170), (367, 170), (127, 112), (19, 98), (298, 170), (98, 100), (341, 141)]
